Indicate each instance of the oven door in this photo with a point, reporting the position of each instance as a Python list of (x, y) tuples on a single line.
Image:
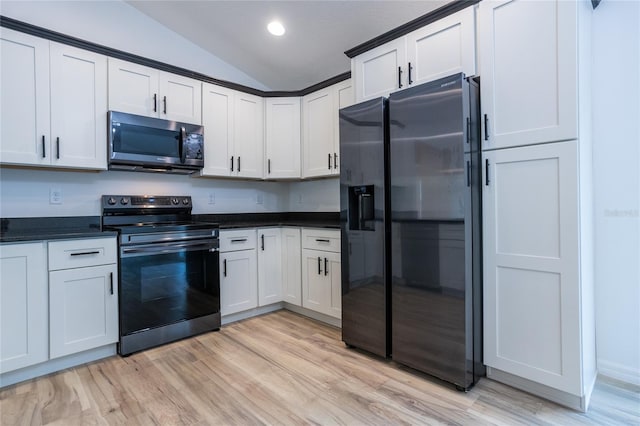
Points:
[(166, 283)]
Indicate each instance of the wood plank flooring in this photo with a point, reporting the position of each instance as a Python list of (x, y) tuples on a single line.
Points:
[(281, 368)]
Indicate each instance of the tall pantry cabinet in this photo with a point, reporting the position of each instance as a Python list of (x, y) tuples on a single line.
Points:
[(539, 331)]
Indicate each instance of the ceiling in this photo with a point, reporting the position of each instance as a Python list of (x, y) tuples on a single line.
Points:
[(311, 51)]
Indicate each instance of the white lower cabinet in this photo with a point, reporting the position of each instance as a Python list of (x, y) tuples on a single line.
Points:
[(321, 284), (23, 305), (238, 271), (269, 266), (538, 312), (83, 295), (291, 266)]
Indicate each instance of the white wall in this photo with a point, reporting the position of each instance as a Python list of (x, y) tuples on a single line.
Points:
[(25, 193), (616, 165), (118, 25), (321, 195)]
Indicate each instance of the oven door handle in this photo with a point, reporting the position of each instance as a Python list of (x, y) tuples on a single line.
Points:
[(152, 249)]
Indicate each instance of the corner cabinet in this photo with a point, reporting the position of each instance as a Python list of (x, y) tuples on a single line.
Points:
[(539, 325), (234, 133), (238, 271), (54, 104), (321, 284), (23, 305), (320, 129), (282, 138), (441, 48), (141, 90), (291, 266)]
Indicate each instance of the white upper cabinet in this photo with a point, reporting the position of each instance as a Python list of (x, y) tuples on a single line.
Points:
[(437, 50), (320, 129), (54, 104), (442, 48), (233, 133), (282, 140), (141, 90), (529, 72), (380, 71)]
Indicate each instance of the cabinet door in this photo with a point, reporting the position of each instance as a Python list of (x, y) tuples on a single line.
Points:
[(380, 71), (318, 133), (291, 266), (83, 309), (23, 305), (180, 98), (269, 266), (78, 108), (343, 97), (238, 281), (531, 282), (248, 135), (133, 88), (316, 286), (282, 143), (445, 47), (529, 77), (335, 301), (24, 104), (217, 119)]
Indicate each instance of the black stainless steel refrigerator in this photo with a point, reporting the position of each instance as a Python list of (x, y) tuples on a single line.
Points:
[(364, 213), (432, 265)]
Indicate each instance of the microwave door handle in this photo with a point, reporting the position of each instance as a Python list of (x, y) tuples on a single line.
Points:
[(182, 151)]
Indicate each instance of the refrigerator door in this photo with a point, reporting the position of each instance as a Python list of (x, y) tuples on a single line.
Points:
[(363, 211), (430, 220)]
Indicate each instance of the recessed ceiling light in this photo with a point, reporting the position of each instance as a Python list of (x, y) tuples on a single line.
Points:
[(275, 28)]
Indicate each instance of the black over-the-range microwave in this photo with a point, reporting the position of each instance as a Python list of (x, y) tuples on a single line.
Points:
[(138, 143)]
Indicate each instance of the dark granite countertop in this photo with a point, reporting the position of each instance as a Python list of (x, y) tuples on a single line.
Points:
[(52, 228)]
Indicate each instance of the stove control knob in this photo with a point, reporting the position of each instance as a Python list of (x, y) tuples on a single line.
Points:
[(175, 201), (185, 201), (112, 201), (124, 201)]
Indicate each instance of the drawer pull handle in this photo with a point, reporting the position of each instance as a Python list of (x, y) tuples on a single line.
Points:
[(239, 240), (84, 253), (322, 240)]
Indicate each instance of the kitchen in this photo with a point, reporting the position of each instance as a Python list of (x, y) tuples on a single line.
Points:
[(24, 194)]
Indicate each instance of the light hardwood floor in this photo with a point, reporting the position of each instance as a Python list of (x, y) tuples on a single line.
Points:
[(281, 368)]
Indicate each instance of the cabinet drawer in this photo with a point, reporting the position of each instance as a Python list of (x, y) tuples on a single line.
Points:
[(237, 239), (321, 239), (80, 253)]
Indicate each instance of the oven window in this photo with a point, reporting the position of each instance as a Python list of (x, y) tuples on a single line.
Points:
[(162, 289)]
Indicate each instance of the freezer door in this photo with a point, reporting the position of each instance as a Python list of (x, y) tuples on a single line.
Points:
[(364, 207)]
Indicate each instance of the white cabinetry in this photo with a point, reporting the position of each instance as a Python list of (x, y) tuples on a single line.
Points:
[(23, 305), (141, 90), (291, 266), (539, 329), (320, 135), (234, 133), (321, 285), (282, 139), (269, 266), (83, 295), (54, 104), (238, 270), (528, 98), (441, 48)]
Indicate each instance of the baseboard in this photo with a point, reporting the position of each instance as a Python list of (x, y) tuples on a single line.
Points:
[(619, 372), (336, 322), (57, 364), (579, 403), (228, 319)]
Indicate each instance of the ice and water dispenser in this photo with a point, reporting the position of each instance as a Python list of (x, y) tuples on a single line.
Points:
[(361, 208)]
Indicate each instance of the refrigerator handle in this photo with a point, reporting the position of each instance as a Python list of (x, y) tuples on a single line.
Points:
[(468, 130), (319, 265), (468, 173), (399, 77), (486, 172)]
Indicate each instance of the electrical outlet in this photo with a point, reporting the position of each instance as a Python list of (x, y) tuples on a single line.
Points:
[(259, 199), (55, 196), (299, 198), (212, 198)]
